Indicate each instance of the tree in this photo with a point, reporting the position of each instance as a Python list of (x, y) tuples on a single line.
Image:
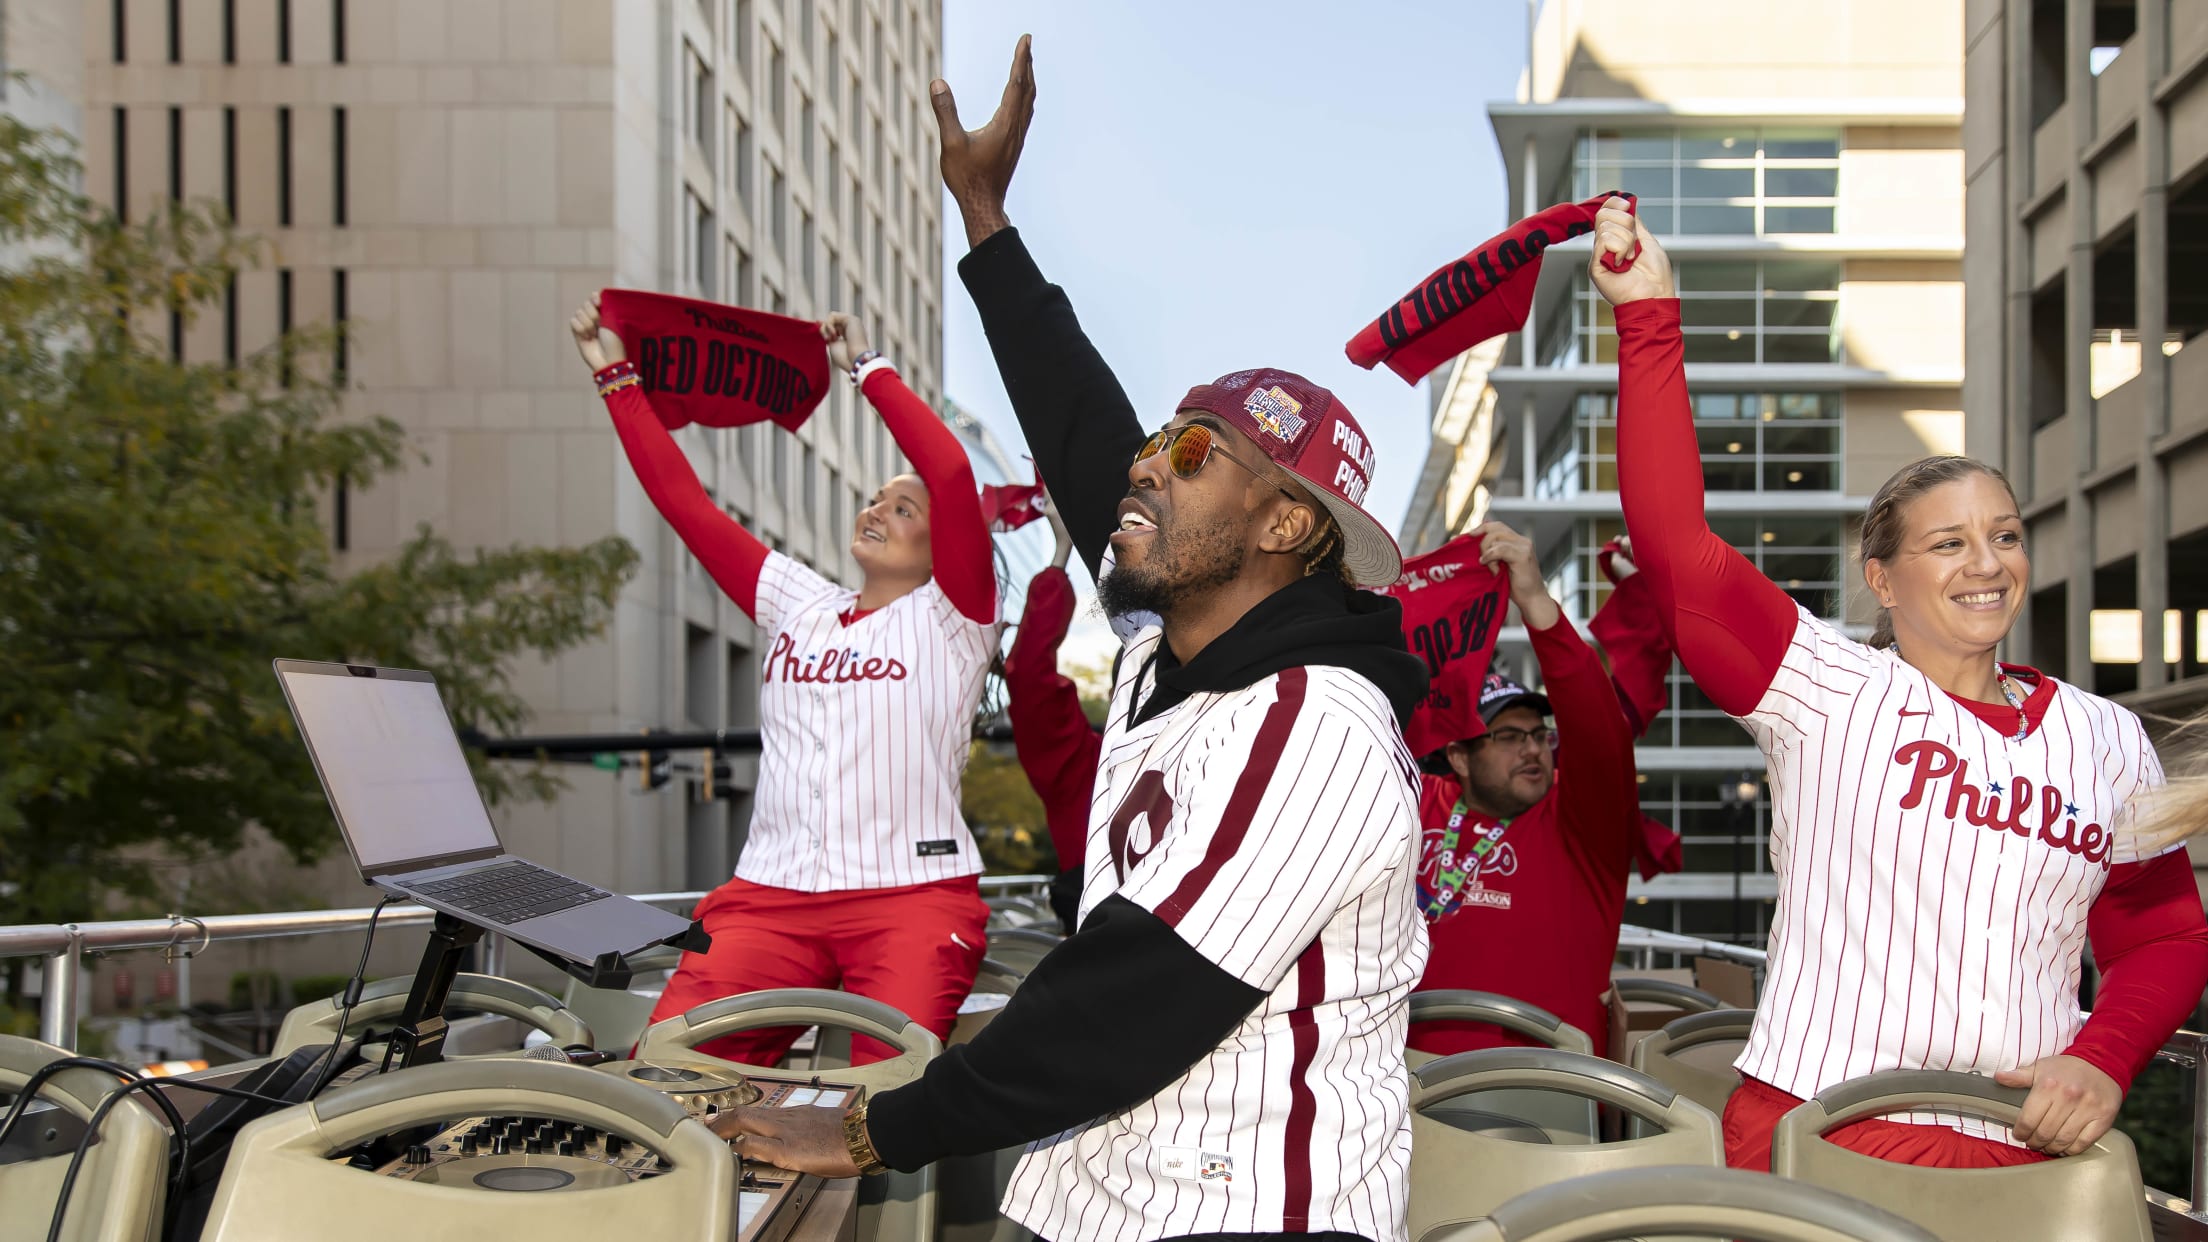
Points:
[(1005, 815), (160, 542)]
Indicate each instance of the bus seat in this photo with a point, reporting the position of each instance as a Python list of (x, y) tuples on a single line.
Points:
[(1680, 1201), (1459, 1173), (2097, 1194), (1694, 1055)]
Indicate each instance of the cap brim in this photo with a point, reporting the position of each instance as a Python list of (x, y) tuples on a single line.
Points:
[(1369, 552)]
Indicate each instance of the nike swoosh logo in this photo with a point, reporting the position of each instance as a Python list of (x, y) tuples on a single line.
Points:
[(1906, 712)]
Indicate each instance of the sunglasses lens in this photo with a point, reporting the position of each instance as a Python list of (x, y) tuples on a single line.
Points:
[(1190, 451)]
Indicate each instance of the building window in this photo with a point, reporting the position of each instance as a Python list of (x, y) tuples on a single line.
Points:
[(806, 138), (1776, 310), (340, 189), (739, 35), (805, 246), (283, 31), (283, 167), (835, 180), (1805, 556), (805, 29), (702, 235), (743, 161), (778, 205), (1750, 442), (698, 121), (777, 85), (811, 484), (337, 31), (1746, 181), (835, 280)]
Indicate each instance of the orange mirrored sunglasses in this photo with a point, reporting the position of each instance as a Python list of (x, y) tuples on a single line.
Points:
[(1188, 447)]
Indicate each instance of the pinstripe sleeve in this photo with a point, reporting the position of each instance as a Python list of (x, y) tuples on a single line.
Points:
[(785, 588), (1299, 798)]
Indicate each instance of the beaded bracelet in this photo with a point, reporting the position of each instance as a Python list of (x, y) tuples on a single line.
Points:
[(617, 376)]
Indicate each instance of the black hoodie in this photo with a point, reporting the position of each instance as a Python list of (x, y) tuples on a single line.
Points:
[(1061, 1054)]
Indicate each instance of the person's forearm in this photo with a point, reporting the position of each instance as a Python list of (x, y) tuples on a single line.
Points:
[(983, 221), (2151, 942), (958, 535), (1012, 1084), (732, 555), (1078, 422)]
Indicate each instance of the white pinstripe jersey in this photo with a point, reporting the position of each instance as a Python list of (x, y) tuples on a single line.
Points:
[(1934, 873), (866, 729), (1275, 829)]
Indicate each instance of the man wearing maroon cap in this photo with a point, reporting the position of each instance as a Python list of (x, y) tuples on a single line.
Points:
[(1522, 871), (1218, 1050)]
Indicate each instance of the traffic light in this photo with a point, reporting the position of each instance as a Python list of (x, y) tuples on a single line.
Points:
[(655, 766)]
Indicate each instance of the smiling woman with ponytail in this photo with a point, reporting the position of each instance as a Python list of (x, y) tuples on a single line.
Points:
[(1948, 831)]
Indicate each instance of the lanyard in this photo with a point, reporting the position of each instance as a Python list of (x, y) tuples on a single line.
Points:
[(1449, 879)]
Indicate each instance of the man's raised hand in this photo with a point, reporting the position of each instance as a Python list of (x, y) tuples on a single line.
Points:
[(978, 164), (1617, 233)]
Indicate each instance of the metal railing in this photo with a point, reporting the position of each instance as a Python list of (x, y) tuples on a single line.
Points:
[(64, 945)]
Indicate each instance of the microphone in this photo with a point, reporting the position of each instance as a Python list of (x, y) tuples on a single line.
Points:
[(546, 1052)]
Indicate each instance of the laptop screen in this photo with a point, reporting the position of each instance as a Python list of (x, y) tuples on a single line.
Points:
[(391, 765)]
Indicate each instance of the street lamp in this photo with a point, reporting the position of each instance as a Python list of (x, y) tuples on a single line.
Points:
[(1739, 797)]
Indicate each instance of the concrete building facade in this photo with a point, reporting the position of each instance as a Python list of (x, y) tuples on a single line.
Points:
[(449, 178), (2087, 293), (1804, 169)]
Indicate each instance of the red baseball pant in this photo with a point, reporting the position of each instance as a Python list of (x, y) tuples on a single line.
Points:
[(1754, 1110), (914, 948)]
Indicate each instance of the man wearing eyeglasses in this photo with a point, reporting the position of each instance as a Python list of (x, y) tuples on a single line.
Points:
[(1218, 1050), (1522, 873)]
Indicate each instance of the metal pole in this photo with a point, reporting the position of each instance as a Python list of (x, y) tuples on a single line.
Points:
[(493, 955), (57, 1006), (2199, 1189)]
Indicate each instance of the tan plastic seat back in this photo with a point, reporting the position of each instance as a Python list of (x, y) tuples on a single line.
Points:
[(1694, 1055), (618, 1016), (280, 1182), (1564, 1118), (2095, 1195), (1680, 1202), (895, 1207), (1682, 997), (1022, 947), (384, 1000), (1459, 1174), (970, 1189), (122, 1186)]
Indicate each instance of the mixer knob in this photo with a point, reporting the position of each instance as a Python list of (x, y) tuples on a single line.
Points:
[(468, 1145), (534, 1146), (500, 1144), (614, 1144), (417, 1154), (567, 1147)]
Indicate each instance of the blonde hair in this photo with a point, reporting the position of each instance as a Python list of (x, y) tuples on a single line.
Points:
[(1884, 522), (2178, 810)]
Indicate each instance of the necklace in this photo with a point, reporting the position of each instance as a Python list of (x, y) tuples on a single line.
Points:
[(2009, 690)]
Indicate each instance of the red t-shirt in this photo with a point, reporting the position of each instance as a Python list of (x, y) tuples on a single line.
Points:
[(1539, 922)]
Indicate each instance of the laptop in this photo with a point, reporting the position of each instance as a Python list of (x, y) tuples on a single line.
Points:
[(416, 825)]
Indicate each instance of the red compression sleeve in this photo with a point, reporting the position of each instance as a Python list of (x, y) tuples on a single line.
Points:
[(2151, 942), (1596, 795), (1631, 631), (1058, 749), (958, 535), (1731, 624), (730, 553)]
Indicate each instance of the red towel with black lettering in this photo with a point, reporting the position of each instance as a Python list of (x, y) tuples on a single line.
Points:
[(719, 366), (1452, 608), (1484, 294)]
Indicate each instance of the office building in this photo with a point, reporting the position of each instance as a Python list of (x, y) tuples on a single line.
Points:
[(2086, 283)]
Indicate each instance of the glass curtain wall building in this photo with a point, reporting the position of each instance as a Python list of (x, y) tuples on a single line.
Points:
[(1814, 216)]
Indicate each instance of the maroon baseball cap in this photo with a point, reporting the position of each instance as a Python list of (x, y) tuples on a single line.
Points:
[(1309, 433)]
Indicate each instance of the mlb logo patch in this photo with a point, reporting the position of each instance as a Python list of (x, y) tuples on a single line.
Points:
[(1276, 411)]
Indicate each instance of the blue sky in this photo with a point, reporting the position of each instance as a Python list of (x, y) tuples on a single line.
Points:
[(1226, 185)]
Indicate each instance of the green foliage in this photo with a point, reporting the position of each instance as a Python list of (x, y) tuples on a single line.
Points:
[(2157, 1114), (160, 542), (1005, 815)]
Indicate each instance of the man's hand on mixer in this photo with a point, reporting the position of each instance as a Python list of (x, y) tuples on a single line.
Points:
[(802, 1140)]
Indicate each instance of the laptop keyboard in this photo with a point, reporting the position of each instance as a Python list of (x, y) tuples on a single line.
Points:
[(510, 892)]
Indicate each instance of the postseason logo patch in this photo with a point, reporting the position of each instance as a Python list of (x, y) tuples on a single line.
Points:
[(1276, 411), (1192, 1164)]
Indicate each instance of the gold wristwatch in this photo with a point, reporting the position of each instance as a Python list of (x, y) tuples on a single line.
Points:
[(861, 1147)]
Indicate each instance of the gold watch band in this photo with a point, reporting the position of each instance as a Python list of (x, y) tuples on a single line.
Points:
[(860, 1146)]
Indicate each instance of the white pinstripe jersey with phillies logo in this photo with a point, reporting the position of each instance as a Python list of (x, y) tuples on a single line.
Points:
[(1275, 829), (1934, 871), (867, 730)]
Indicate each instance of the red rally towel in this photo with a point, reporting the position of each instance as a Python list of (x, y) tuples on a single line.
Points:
[(1657, 849), (1012, 505), (719, 366), (1484, 294), (1452, 608)]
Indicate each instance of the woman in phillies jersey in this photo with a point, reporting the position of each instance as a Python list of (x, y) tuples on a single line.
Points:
[(1948, 831), (858, 871)]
